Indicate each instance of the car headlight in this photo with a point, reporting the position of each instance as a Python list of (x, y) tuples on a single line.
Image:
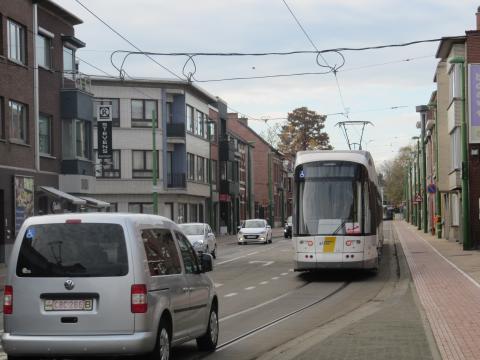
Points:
[(198, 244)]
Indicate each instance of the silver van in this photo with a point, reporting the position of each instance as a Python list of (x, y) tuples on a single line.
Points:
[(106, 284)]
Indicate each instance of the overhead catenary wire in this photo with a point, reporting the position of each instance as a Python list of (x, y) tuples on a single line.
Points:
[(125, 39)]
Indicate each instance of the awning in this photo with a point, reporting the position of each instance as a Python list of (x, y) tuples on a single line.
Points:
[(63, 195), (95, 203)]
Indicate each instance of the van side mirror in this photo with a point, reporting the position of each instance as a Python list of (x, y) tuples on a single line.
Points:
[(207, 262)]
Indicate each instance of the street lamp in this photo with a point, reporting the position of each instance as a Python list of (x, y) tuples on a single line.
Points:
[(423, 109), (458, 60)]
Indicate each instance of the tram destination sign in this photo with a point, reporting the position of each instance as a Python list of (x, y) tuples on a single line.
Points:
[(104, 131)]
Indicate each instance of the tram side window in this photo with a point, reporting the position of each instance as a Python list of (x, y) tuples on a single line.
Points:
[(369, 208)]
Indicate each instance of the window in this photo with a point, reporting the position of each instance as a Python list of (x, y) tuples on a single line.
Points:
[(455, 82), (140, 208), (191, 166), (108, 168), (182, 213), (142, 112), (115, 109), (213, 164), (82, 138), (213, 131), (168, 210), (190, 260), (19, 122), (45, 133), (170, 166), (200, 169), (44, 51), (17, 48), (454, 203), (113, 207), (200, 130), (73, 250), (2, 116), (223, 170), (456, 149), (190, 122), (193, 213), (162, 254), (200, 212), (169, 110), (68, 62), (142, 163)]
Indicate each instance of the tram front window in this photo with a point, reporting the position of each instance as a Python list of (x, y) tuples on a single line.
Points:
[(329, 199)]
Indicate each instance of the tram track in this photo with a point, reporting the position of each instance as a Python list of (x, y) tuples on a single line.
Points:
[(278, 320)]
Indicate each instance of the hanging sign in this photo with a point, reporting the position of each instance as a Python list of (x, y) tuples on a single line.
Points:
[(474, 102), (104, 131), (24, 197)]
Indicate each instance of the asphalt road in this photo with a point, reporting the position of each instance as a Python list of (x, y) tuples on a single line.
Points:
[(267, 311)]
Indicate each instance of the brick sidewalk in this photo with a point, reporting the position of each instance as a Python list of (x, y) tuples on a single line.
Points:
[(450, 297)]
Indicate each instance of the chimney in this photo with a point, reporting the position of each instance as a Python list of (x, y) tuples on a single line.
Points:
[(478, 18), (243, 120)]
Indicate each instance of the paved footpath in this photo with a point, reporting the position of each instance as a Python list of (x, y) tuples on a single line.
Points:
[(450, 296)]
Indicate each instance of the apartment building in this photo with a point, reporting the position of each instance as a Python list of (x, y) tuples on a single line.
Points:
[(41, 95), (182, 145)]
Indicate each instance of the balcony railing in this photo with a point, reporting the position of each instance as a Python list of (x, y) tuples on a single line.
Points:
[(76, 80), (176, 130), (176, 180)]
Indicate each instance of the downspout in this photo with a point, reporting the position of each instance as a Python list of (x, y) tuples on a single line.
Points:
[(36, 106)]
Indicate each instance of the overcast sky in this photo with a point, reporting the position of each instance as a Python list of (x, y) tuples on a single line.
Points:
[(371, 82)]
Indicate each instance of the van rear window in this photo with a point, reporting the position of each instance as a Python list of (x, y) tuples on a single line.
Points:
[(73, 250)]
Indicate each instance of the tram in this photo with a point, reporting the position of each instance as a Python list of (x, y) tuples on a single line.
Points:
[(337, 216)]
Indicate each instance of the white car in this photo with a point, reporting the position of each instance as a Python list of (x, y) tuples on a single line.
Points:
[(201, 237), (254, 230)]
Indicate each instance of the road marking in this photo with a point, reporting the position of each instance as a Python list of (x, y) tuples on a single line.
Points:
[(230, 295), (264, 283), (217, 285), (275, 278), (283, 274), (291, 270), (250, 288), (265, 263), (255, 307), (238, 257)]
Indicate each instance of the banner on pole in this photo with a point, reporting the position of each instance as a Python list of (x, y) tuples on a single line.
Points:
[(104, 128)]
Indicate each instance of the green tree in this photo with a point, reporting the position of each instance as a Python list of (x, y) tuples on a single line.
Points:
[(393, 173), (303, 131)]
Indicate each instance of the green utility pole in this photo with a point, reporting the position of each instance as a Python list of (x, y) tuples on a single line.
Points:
[(410, 201), (155, 164), (423, 109), (419, 187), (438, 207), (270, 190), (465, 193)]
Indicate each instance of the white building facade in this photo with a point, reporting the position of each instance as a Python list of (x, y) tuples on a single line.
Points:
[(182, 145)]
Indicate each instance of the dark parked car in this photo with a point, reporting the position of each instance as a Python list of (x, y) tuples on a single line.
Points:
[(287, 231)]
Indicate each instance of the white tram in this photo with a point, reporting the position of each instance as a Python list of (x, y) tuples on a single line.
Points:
[(337, 216)]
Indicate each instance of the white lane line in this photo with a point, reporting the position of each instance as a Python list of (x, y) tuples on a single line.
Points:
[(275, 278), (250, 288), (283, 274), (255, 307), (230, 295), (236, 258), (217, 285), (291, 270), (264, 283)]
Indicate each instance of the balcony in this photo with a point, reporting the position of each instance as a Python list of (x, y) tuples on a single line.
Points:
[(176, 130), (176, 180), (226, 150), (77, 81)]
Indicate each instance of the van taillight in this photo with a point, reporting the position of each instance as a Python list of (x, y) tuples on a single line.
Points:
[(8, 299), (73, 221), (139, 298)]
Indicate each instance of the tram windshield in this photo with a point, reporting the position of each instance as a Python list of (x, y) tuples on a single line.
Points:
[(329, 198)]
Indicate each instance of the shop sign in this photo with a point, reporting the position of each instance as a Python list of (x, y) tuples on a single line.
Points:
[(474, 102), (104, 131), (23, 188)]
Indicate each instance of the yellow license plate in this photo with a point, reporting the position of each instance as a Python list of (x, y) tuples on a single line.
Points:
[(329, 244)]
